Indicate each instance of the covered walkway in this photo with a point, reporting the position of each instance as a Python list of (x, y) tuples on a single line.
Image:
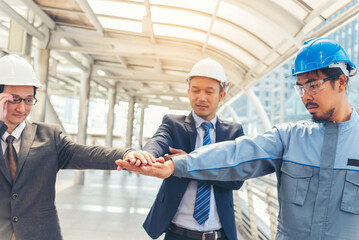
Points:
[(130, 56)]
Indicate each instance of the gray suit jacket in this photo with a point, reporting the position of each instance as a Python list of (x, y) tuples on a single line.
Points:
[(27, 205)]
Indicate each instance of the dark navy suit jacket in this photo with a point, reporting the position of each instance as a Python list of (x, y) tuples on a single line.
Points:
[(179, 131)]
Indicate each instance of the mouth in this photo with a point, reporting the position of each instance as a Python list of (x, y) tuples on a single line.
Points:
[(201, 106), (311, 107), (18, 115)]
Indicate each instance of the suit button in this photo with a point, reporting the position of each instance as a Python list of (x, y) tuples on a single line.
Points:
[(14, 196), (15, 219), (180, 195)]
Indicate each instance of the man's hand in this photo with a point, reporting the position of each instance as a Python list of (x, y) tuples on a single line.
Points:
[(138, 158), (4, 99), (175, 152), (158, 169)]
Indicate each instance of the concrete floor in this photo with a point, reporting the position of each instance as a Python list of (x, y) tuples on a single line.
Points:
[(107, 207)]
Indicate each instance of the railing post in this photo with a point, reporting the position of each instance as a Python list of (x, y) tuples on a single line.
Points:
[(271, 212), (252, 216)]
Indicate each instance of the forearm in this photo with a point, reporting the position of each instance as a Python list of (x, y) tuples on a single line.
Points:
[(235, 160)]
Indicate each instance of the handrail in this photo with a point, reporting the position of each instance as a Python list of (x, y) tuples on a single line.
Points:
[(257, 195)]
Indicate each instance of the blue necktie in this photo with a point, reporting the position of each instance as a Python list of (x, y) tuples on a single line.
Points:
[(201, 206)]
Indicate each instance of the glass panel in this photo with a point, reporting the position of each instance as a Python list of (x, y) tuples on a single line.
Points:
[(178, 32), (119, 9), (252, 23), (235, 51), (199, 5), (242, 38), (124, 25), (334, 8), (295, 9), (180, 17), (314, 4), (284, 47), (311, 25)]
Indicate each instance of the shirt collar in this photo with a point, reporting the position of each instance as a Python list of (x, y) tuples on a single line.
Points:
[(198, 120), (354, 118), (351, 122), (16, 133)]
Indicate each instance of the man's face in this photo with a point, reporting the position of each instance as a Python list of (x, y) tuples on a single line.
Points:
[(322, 103), (204, 95), (17, 113)]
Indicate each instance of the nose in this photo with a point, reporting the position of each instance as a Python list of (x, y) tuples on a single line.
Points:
[(202, 96), (20, 107), (306, 96)]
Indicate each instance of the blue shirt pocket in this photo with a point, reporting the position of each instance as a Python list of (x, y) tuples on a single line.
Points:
[(294, 184), (350, 200)]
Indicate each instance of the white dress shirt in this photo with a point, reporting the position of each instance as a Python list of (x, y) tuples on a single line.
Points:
[(184, 215), (16, 133)]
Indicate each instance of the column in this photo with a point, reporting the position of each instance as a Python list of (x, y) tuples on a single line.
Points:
[(41, 68), (83, 115), (110, 116), (140, 138), (130, 117)]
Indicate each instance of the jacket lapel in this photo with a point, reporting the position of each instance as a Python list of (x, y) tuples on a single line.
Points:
[(3, 167), (220, 136), (27, 138), (191, 129)]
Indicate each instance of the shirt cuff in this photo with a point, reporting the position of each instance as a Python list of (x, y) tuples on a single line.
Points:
[(180, 164)]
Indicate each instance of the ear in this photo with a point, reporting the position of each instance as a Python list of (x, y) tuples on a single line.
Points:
[(221, 95), (343, 80)]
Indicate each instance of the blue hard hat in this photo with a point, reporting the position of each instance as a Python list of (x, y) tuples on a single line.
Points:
[(317, 53)]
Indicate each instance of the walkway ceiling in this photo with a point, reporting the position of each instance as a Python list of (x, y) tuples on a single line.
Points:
[(145, 48)]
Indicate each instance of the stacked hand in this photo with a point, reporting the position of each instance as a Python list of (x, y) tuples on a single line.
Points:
[(144, 163)]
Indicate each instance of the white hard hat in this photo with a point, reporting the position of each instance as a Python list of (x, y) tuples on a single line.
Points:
[(14, 70), (209, 68)]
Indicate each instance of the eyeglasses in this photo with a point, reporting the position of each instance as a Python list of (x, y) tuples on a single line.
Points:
[(27, 100), (311, 88)]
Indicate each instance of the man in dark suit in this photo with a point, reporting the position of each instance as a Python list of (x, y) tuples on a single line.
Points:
[(31, 154), (174, 208)]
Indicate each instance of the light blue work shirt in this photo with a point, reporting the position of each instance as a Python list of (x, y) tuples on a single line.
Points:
[(317, 167)]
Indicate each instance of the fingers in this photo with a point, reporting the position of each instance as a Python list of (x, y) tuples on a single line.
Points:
[(158, 169), (133, 156), (123, 164), (148, 156), (4, 98), (161, 159), (138, 158)]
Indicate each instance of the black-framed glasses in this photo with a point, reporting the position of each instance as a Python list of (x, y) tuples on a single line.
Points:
[(311, 88), (27, 100)]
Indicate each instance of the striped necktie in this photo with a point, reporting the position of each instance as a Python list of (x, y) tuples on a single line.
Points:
[(201, 207)]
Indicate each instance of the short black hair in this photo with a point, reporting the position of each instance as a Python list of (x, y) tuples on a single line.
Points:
[(333, 74), (2, 86)]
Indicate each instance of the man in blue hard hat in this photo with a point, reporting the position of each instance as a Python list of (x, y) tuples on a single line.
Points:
[(316, 162)]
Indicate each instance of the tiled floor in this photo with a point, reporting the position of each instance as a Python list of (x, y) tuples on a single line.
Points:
[(107, 207)]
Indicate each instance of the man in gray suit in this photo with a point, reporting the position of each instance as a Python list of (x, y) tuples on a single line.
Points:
[(31, 155)]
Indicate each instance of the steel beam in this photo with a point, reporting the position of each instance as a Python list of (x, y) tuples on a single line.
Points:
[(91, 15), (5, 8), (40, 13)]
